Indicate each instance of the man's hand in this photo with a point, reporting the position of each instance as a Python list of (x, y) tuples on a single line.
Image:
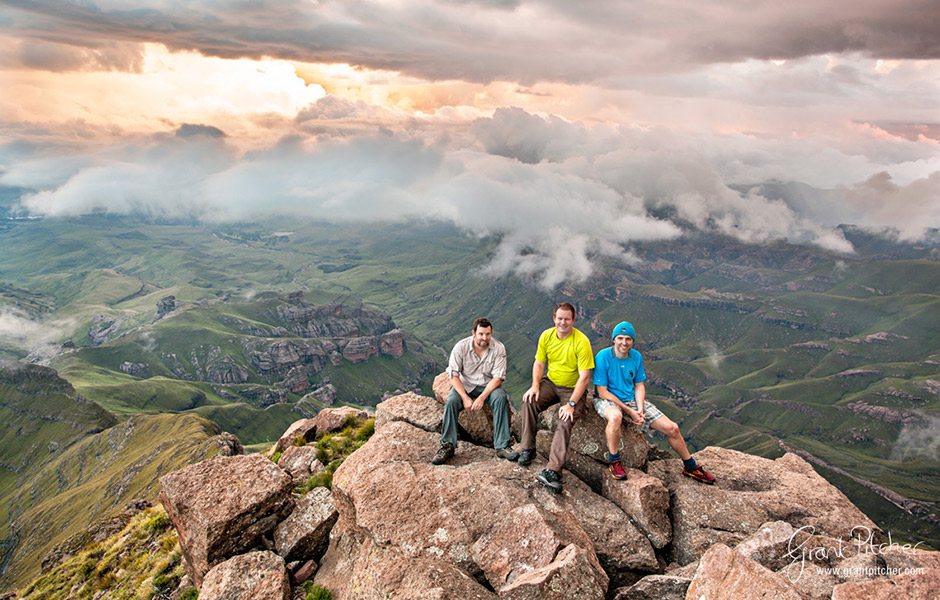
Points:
[(566, 412), (467, 403), (637, 418), (478, 403), (531, 394)]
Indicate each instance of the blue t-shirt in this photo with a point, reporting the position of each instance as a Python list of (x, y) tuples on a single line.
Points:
[(619, 374)]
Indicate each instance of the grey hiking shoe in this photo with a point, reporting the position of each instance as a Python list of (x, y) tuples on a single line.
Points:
[(550, 479), (526, 456), (444, 453), (507, 453)]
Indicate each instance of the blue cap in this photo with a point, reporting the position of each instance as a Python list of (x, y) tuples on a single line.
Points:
[(623, 328)]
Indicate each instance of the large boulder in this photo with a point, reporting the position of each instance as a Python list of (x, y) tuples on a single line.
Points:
[(252, 576), (330, 420), (355, 567), (723, 573), (570, 575), (750, 491), (921, 585), (656, 587), (645, 500), (304, 430), (420, 411), (530, 538), (300, 462), (451, 508), (305, 534), (223, 507)]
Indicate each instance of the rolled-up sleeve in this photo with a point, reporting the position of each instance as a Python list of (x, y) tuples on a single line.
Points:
[(455, 362), (499, 363)]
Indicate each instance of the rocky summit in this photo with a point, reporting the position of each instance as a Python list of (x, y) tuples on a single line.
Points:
[(394, 526)]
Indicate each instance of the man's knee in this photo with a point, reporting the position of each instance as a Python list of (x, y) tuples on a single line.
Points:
[(667, 427), (454, 400), (498, 398), (614, 416)]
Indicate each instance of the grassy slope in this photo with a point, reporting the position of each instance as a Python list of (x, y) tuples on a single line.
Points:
[(69, 475), (739, 375)]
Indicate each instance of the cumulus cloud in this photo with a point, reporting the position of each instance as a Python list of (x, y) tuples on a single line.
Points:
[(556, 194), (906, 209)]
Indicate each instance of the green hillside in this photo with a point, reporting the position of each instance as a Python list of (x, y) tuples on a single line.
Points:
[(68, 462), (751, 347)]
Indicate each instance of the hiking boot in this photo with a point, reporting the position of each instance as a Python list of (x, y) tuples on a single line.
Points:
[(444, 453), (616, 470), (699, 473), (507, 453), (550, 479), (526, 456)]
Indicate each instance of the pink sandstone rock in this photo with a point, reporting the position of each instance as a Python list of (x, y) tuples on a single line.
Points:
[(723, 573), (252, 576), (570, 575), (222, 507), (749, 492)]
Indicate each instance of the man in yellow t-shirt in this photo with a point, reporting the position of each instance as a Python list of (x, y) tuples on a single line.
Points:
[(568, 356)]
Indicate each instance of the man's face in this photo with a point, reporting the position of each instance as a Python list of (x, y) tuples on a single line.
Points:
[(564, 322), (481, 336), (622, 345)]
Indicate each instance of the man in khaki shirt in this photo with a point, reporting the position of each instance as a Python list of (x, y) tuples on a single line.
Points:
[(477, 368)]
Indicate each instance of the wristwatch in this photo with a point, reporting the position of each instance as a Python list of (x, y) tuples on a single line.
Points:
[(572, 403)]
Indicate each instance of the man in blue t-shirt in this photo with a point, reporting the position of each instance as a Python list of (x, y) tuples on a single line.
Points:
[(619, 389)]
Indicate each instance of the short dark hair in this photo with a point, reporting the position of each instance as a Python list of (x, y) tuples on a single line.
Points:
[(566, 306), (481, 322)]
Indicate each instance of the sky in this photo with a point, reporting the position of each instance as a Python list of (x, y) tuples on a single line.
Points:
[(571, 129)]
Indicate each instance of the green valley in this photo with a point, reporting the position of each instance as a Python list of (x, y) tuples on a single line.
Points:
[(761, 348)]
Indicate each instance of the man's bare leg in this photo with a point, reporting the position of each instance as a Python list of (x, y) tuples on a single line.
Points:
[(614, 417), (668, 427)]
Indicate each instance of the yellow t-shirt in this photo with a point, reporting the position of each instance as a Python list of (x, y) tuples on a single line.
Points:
[(564, 357)]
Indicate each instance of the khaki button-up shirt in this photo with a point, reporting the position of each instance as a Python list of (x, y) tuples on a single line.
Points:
[(473, 370)]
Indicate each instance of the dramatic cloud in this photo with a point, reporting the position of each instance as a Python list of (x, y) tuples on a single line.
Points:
[(568, 130), (556, 40), (556, 193)]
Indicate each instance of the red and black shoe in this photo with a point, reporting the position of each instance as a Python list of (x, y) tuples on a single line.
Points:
[(699, 473), (616, 469)]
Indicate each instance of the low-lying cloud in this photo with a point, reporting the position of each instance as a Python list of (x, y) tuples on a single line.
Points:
[(557, 193), (29, 336), (919, 440)]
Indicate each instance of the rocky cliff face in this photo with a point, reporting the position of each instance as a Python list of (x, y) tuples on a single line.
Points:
[(480, 527), (280, 342)]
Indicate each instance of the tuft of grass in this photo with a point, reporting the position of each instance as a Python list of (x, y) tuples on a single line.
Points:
[(316, 591), (189, 594), (333, 448)]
